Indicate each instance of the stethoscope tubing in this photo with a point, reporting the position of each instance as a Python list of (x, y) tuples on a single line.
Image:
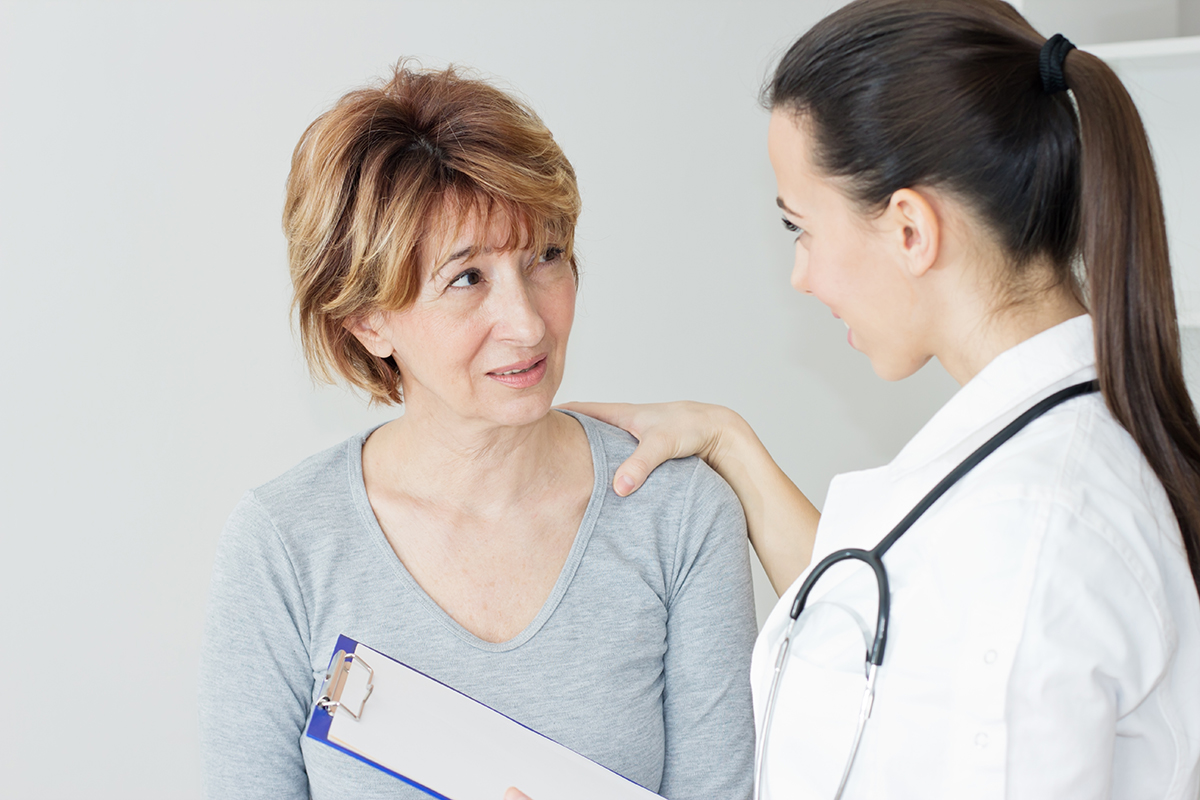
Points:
[(873, 558), (883, 611)]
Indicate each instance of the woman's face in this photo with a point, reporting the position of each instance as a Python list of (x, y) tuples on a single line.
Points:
[(846, 260), (486, 339)]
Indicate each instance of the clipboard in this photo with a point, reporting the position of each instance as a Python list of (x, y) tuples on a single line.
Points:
[(443, 742)]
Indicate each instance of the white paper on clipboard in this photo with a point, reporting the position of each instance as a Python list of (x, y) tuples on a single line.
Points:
[(448, 744)]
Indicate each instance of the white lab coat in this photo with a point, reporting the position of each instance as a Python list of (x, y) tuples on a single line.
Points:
[(1045, 628)]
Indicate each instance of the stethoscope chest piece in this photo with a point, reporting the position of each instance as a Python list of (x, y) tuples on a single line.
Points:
[(873, 558)]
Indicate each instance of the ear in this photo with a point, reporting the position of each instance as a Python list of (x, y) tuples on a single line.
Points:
[(918, 228), (369, 332)]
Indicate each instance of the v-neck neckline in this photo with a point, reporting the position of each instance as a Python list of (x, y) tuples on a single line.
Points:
[(375, 533)]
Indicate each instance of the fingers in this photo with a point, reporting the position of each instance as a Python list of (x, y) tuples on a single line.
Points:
[(633, 473), (514, 793), (663, 430)]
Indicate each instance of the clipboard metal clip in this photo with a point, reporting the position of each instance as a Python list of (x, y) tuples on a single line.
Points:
[(335, 683)]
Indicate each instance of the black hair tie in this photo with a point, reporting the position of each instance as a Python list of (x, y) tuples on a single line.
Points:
[(1050, 63)]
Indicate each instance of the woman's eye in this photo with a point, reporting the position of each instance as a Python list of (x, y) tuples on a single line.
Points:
[(552, 253), (467, 278), (791, 226)]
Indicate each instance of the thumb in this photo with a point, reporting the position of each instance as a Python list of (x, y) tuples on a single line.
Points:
[(514, 793), (650, 452)]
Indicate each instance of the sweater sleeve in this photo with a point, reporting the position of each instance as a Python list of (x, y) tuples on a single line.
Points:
[(709, 722), (255, 674)]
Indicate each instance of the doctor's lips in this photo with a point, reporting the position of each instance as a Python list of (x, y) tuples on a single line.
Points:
[(521, 375)]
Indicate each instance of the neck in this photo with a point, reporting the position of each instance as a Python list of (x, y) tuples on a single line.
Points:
[(481, 470), (976, 333)]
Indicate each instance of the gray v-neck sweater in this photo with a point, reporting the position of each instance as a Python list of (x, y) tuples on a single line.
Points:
[(639, 658)]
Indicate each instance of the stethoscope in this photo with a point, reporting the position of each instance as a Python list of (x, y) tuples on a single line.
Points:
[(874, 559)]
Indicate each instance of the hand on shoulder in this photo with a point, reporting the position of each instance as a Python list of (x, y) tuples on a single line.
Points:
[(781, 521), (664, 431)]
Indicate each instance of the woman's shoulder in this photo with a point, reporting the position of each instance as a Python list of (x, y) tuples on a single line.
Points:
[(316, 494), (683, 481), (319, 468)]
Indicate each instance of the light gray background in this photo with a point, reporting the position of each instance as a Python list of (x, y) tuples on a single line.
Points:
[(150, 373)]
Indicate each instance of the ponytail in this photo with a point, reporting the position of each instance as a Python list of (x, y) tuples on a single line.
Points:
[(949, 93), (1124, 249)]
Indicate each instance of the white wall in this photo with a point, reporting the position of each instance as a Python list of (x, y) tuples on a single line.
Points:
[(1093, 21), (1189, 17), (151, 375)]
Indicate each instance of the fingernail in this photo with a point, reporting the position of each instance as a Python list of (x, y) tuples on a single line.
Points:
[(624, 485)]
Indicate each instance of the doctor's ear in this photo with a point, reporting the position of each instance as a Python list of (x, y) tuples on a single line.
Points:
[(369, 332), (918, 228)]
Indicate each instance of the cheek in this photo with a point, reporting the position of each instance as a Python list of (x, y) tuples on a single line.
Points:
[(557, 307), (825, 276), (432, 340)]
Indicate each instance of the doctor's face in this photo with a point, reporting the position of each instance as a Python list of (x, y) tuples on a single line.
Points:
[(486, 339), (844, 258)]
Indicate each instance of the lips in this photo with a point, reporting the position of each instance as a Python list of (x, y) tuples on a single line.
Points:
[(519, 367), (521, 375)]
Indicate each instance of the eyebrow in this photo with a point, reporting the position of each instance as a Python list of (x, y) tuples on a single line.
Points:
[(457, 255), (779, 202)]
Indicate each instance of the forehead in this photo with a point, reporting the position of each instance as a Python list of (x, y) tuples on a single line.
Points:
[(789, 145), (803, 188), (473, 227)]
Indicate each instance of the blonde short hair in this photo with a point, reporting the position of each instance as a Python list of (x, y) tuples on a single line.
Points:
[(375, 176)]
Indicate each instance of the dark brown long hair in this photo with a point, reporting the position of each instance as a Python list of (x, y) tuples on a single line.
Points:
[(948, 93)]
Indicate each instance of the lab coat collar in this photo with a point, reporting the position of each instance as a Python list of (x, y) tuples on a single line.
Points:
[(1014, 381), (1006, 387)]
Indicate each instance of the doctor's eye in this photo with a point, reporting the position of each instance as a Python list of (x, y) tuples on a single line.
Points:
[(553, 253), (466, 278), (791, 226)]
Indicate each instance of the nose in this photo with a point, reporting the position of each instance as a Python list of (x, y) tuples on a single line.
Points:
[(800, 270), (516, 317)]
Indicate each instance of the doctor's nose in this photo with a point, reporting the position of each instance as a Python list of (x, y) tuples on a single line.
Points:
[(800, 271)]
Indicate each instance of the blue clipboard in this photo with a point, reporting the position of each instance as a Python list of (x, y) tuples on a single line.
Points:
[(443, 742)]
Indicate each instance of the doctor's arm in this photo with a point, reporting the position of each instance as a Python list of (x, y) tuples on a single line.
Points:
[(782, 523)]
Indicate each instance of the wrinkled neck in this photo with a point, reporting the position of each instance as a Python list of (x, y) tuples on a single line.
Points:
[(480, 469)]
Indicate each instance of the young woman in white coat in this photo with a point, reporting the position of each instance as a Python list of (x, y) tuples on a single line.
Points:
[(951, 199)]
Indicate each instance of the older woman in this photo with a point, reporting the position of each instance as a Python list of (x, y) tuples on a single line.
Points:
[(430, 225)]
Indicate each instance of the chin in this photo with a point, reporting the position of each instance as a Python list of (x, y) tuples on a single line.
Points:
[(522, 412), (892, 371)]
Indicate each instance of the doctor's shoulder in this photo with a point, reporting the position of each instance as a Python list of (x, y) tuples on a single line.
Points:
[(1106, 575), (1076, 455), (1104, 477), (1074, 499)]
